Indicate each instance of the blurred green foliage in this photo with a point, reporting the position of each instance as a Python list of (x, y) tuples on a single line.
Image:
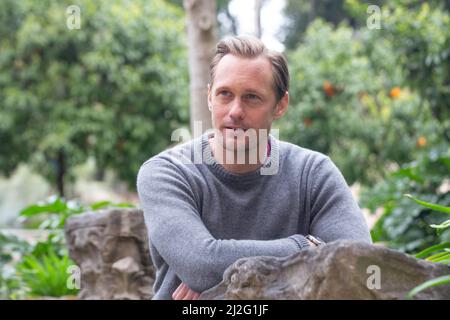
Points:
[(115, 89), (421, 34), (300, 14), (39, 269), (52, 213), (46, 275), (353, 103), (439, 253), (42, 268), (404, 225), (12, 250)]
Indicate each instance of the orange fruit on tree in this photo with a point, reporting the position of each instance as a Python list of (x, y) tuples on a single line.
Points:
[(395, 92), (421, 142), (328, 88)]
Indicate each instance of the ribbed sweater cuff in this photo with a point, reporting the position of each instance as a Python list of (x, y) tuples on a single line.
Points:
[(300, 240)]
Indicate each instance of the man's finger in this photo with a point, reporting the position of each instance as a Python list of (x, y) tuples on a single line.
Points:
[(190, 295), (182, 293), (177, 291), (174, 294)]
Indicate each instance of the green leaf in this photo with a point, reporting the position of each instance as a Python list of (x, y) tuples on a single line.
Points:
[(430, 205), (103, 204), (57, 206), (100, 204), (437, 256), (427, 251), (443, 225), (428, 284), (442, 258)]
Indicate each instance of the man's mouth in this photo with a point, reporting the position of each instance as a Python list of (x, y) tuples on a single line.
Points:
[(236, 129)]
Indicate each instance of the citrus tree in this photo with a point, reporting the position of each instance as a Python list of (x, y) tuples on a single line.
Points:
[(114, 89), (351, 100), (421, 34)]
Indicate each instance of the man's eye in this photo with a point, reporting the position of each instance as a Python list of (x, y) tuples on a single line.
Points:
[(251, 96), (225, 94)]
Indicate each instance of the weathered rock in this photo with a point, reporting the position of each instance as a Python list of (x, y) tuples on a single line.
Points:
[(111, 249), (339, 270)]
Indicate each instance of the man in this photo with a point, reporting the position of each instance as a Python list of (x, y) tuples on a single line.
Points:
[(276, 200)]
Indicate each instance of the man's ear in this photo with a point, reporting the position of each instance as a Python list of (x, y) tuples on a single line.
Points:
[(209, 97), (281, 107)]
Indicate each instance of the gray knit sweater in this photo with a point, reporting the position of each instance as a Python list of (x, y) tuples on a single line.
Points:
[(201, 218)]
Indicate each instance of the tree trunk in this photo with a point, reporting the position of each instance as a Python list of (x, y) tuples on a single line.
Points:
[(312, 11), (202, 37), (61, 171), (258, 6)]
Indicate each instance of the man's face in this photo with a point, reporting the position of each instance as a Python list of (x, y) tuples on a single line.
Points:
[(243, 97)]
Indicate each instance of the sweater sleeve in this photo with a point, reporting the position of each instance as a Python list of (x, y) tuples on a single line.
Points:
[(176, 230), (335, 214)]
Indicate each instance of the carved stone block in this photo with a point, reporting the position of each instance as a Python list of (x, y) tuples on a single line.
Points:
[(111, 249)]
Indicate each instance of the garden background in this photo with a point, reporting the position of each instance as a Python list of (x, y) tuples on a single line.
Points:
[(83, 106)]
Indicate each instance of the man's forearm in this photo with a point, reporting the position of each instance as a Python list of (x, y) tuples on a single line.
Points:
[(201, 262)]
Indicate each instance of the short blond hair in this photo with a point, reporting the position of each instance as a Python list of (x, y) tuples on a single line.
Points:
[(252, 47)]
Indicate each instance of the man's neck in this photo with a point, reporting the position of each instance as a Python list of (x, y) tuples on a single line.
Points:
[(234, 167)]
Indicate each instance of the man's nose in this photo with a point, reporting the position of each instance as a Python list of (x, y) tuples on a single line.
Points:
[(237, 110)]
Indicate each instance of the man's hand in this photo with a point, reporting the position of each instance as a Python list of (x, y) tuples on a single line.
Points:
[(183, 292)]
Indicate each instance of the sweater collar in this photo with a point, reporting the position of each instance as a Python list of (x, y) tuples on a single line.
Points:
[(219, 171)]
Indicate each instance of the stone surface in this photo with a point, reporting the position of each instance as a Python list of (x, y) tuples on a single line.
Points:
[(339, 270), (111, 248)]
